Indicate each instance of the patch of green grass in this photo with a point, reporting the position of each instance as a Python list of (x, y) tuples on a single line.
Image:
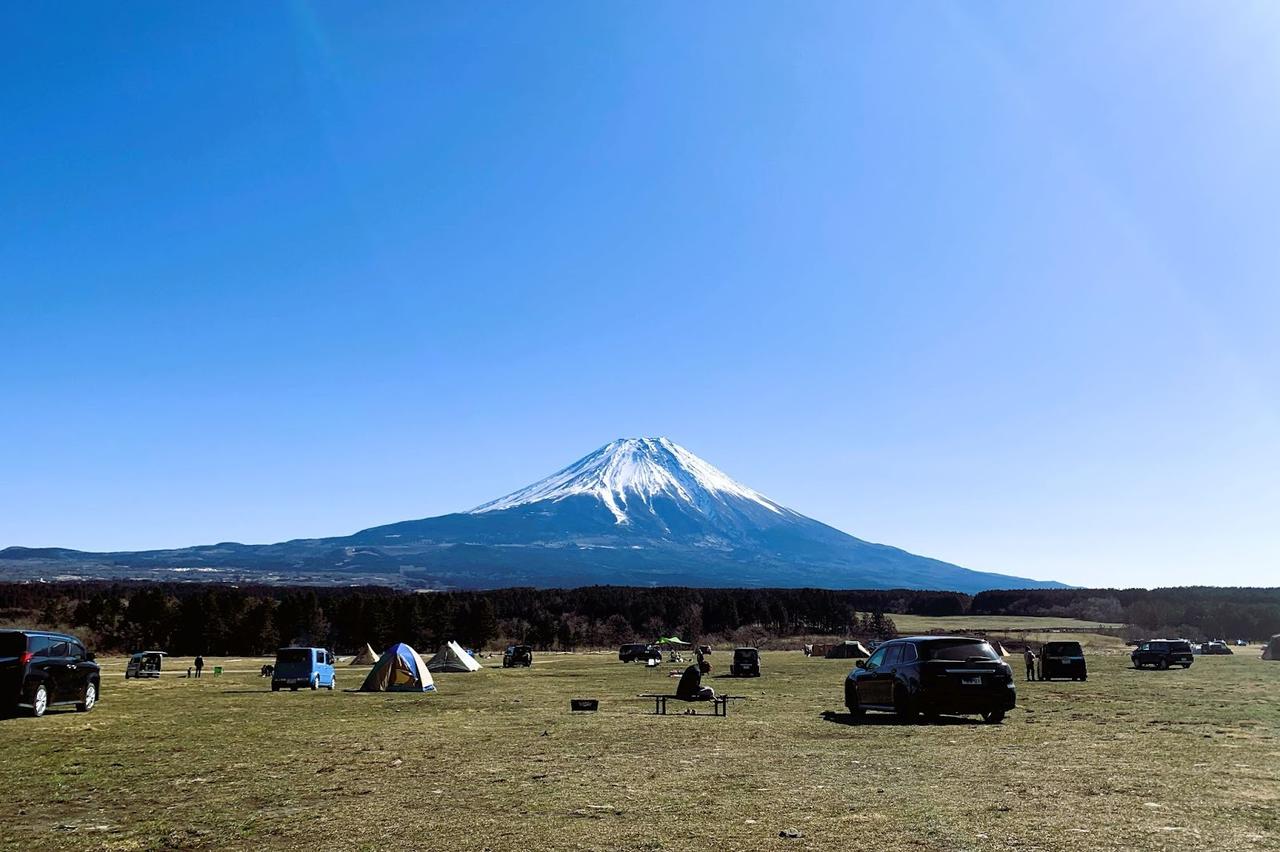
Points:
[(990, 623), (1129, 760)]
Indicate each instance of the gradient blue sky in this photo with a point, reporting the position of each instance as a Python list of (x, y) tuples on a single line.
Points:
[(994, 282)]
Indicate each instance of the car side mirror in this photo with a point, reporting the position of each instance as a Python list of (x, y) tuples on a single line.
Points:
[(862, 664)]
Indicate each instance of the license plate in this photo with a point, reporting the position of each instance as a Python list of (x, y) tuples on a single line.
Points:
[(972, 680)]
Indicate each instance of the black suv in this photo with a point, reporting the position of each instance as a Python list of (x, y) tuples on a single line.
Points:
[(746, 663), (932, 675), (635, 651), (1162, 653), (1062, 659), (517, 655), (39, 670)]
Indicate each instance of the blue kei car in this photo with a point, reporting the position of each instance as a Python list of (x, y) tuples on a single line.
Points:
[(299, 667)]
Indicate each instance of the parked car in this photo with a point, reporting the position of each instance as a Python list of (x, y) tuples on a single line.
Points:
[(299, 667), (1162, 653), (39, 670), (517, 655), (144, 664), (1062, 659), (932, 675), (638, 651), (746, 663), (1215, 648)]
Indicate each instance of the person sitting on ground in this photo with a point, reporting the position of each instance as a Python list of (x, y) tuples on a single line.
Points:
[(690, 687)]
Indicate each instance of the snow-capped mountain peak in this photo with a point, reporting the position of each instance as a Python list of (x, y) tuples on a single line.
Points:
[(629, 473)]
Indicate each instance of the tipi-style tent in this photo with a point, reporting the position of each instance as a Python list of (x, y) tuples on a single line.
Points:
[(451, 658), (366, 657), (1000, 650), (850, 649), (1272, 649), (399, 669)]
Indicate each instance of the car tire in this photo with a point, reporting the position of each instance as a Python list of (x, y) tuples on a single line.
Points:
[(993, 717), (275, 687), (851, 703), (1162, 665), (315, 683), (39, 700), (903, 705), (90, 698)]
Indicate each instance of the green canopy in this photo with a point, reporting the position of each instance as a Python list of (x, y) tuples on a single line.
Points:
[(671, 640)]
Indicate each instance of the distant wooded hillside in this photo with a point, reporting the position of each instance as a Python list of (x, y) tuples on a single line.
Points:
[(218, 619)]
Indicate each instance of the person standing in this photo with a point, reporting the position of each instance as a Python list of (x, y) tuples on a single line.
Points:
[(199, 664), (1030, 657)]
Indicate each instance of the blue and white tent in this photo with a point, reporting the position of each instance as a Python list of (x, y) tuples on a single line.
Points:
[(399, 669)]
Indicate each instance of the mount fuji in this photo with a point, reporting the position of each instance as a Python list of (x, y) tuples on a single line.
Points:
[(637, 511)]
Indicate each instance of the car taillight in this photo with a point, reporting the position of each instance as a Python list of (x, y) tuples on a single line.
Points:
[(26, 657)]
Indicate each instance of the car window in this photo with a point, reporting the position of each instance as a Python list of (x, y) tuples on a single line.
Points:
[(908, 653), (877, 658), (39, 645), (892, 654), (75, 650), (958, 650), (57, 649), (12, 644)]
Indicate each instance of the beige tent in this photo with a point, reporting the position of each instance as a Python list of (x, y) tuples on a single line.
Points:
[(366, 657), (848, 650), (1272, 649), (451, 658), (998, 648)]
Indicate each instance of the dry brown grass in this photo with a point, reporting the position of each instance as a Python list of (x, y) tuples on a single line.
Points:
[(1128, 760)]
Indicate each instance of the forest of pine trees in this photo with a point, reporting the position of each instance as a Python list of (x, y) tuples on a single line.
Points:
[(229, 620)]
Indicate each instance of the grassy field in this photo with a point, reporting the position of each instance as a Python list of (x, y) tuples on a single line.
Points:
[(494, 760), (990, 623)]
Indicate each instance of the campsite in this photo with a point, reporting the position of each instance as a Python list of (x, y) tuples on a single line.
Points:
[(495, 759)]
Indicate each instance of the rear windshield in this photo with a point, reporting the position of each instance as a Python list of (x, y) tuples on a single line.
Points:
[(12, 644), (745, 654), (958, 650), (1064, 649), (293, 655), (1179, 646)]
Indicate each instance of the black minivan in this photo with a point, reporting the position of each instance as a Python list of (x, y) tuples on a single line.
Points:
[(932, 675), (1063, 659), (39, 670)]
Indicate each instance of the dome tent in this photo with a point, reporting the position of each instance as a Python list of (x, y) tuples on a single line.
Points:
[(451, 658), (399, 669), (366, 657)]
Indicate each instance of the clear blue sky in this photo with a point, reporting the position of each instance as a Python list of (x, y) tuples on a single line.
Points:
[(995, 282)]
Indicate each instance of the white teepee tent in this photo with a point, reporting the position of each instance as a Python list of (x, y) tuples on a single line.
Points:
[(366, 657), (451, 658)]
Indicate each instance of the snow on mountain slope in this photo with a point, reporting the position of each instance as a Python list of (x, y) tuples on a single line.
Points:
[(628, 474)]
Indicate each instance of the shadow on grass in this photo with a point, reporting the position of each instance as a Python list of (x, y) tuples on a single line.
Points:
[(871, 720)]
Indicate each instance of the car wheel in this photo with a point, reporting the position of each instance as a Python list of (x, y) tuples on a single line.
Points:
[(1162, 665), (1186, 665), (90, 698), (851, 702), (275, 687), (39, 700), (993, 717), (315, 683), (902, 704)]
